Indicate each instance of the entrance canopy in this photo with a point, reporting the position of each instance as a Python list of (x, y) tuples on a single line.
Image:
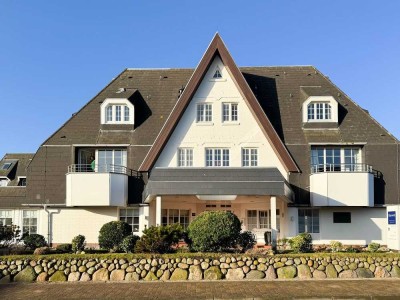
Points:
[(217, 181)]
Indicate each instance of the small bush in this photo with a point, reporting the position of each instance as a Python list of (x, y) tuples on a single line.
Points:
[(128, 243), (336, 246), (214, 231), (34, 241), (373, 247), (64, 248), (301, 243), (42, 251), (112, 234), (246, 240), (351, 250), (78, 243), (9, 235), (159, 239)]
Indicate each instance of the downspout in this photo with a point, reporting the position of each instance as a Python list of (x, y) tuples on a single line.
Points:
[(48, 223)]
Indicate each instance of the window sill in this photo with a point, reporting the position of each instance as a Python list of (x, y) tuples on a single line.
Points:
[(216, 80), (227, 123), (205, 123)]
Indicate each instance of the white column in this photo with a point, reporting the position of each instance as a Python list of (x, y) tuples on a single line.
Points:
[(158, 210), (273, 220)]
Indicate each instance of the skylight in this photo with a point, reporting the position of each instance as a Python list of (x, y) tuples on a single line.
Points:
[(6, 166)]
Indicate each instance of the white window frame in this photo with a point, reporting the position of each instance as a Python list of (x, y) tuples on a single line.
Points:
[(204, 113), (249, 157), (166, 217), (267, 215), (315, 214), (4, 181), (113, 167), (36, 216), (185, 157), (135, 215), (217, 157), (230, 112), (6, 214), (126, 110), (343, 165), (329, 109)]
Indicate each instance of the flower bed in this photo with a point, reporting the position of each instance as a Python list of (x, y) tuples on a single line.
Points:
[(196, 266)]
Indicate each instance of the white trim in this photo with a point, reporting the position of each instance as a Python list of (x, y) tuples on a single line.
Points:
[(113, 102), (320, 99)]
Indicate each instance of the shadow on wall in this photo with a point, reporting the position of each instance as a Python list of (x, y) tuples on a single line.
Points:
[(379, 188), (264, 88), (142, 110), (135, 189)]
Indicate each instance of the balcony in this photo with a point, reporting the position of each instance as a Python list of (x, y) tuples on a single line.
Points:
[(97, 185), (342, 185)]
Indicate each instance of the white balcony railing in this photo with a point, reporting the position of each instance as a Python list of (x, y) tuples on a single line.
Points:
[(341, 168)]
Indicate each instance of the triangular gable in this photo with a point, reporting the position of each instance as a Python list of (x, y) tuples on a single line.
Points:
[(217, 47)]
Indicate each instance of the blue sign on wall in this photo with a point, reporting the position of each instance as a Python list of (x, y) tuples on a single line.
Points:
[(391, 217)]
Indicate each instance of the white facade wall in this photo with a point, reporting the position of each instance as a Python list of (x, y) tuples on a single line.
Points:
[(216, 134), (367, 225), (342, 189)]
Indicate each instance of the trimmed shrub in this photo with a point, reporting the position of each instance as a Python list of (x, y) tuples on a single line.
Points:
[(112, 234), (246, 240), (336, 246), (9, 235), (64, 248), (78, 243), (301, 243), (214, 231), (373, 247), (34, 241), (42, 251), (159, 239), (128, 243)]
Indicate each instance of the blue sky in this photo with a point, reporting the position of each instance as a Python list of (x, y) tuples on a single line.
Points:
[(56, 55)]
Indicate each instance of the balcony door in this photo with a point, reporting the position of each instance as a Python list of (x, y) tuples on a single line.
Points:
[(111, 160)]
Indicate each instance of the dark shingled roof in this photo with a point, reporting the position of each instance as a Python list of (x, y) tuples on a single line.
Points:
[(19, 163)]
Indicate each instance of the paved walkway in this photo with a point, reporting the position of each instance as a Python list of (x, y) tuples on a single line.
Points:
[(294, 289)]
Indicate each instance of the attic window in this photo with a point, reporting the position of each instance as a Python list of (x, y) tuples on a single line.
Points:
[(3, 182), (22, 181), (117, 111), (320, 109), (6, 166), (217, 74)]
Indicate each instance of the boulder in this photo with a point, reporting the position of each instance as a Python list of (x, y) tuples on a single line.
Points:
[(395, 272), (364, 273), (100, 275), (85, 277), (213, 273), (381, 272), (195, 273), (132, 277), (150, 277), (117, 275), (270, 274), (303, 272), (234, 274), (166, 275), (26, 275), (348, 274), (58, 276), (5, 279), (42, 277), (255, 274), (287, 272), (179, 274), (331, 271), (319, 274), (74, 276)]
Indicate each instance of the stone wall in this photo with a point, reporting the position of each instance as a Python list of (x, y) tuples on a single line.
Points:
[(197, 268)]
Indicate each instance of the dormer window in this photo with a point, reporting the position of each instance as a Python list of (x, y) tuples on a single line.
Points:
[(320, 109), (217, 74), (117, 111)]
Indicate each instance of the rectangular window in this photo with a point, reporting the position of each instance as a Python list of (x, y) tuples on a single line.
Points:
[(111, 160), (335, 159), (204, 112), (261, 219), (217, 157), (118, 113), (126, 113), (3, 182), (6, 166), (29, 221), (342, 217), (308, 220), (130, 216), (249, 157), (173, 216), (5, 218), (230, 112), (185, 157), (319, 111)]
